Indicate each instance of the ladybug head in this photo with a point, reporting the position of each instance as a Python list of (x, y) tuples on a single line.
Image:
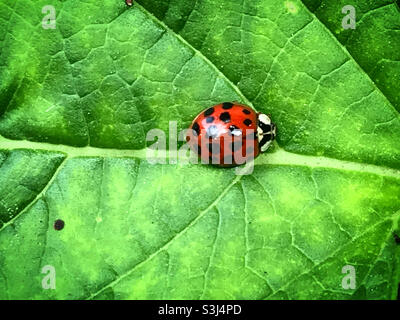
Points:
[(266, 131)]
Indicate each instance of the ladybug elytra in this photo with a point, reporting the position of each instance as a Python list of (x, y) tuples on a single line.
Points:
[(230, 134)]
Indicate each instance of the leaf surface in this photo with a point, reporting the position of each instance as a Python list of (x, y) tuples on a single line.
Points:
[(374, 43), (76, 103)]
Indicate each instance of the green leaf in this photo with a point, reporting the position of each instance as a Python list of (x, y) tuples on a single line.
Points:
[(374, 43), (76, 103)]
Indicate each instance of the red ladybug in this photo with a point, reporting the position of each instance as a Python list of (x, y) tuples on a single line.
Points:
[(230, 134)]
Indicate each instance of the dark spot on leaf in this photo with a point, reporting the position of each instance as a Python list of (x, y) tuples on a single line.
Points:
[(225, 117), (247, 122), (396, 238), (59, 224), (196, 128), (227, 105), (210, 119), (245, 111), (209, 112)]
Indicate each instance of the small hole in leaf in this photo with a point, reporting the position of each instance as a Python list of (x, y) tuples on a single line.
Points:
[(396, 238), (59, 224)]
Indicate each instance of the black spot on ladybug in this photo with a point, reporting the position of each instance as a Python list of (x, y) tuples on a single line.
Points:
[(225, 117), (212, 132), (245, 111), (396, 238), (247, 122), (198, 149), (268, 136), (210, 119), (196, 128), (265, 127), (265, 139), (235, 131), (214, 148), (209, 112), (227, 105), (59, 224), (236, 145)]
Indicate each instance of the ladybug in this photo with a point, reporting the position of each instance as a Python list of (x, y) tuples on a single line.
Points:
[(230, 134), (129, 3)]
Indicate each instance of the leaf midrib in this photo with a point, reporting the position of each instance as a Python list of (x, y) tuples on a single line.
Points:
[(279, 157)]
